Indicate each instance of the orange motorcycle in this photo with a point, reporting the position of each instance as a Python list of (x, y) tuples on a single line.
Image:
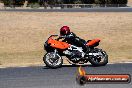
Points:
[(56, 49)]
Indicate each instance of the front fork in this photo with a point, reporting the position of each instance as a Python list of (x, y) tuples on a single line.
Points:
[(55, 52)]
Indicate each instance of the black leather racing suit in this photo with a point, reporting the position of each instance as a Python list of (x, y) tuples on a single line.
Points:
[(71, 38)]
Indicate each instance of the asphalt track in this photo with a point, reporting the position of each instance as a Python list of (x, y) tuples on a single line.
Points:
[(107, 9), (65, 77)]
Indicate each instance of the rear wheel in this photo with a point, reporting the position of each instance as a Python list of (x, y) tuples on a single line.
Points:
[(99, 60), (53, 60)]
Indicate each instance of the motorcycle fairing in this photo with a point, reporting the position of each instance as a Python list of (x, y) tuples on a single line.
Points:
[(93, 42), (58, 44)]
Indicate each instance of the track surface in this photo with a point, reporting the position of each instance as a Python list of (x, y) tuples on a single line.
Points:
[(110, 9), (43, 77)]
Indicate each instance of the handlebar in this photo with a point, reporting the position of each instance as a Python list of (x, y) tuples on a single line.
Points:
[(53, 35)]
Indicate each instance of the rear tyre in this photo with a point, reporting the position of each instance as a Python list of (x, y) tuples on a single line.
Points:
[(101, 60), (53, 61)]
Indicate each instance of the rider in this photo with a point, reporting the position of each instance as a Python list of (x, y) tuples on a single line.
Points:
[(71, 38)]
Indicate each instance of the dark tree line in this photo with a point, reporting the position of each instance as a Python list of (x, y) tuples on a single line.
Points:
[(52, 2)]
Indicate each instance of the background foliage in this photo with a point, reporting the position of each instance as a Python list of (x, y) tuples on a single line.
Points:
[(52, 2)]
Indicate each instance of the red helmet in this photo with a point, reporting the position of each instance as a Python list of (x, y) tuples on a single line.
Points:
[(64, 30)]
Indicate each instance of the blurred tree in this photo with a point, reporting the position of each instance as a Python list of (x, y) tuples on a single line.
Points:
[(100, 2), (122, 3), (6, 2), (60, 2), (88, 1), (77, 2), (53, 2), (19, 2), (68, 1), (116, 2)]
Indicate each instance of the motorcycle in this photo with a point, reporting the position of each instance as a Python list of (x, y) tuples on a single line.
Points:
[(56, 49)]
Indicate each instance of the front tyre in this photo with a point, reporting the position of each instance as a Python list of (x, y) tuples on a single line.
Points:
[(99, 60), (53, 60)]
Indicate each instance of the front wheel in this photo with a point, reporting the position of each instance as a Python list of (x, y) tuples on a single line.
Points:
[(53, 60), (99, 60)]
